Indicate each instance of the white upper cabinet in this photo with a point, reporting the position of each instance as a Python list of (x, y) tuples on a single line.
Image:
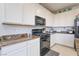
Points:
[(1, 12), (40, 11), (25, 13), (13, 12), (29, 13), (49, 19)]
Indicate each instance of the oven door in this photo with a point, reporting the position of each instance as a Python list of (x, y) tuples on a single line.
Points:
[(44, 45)]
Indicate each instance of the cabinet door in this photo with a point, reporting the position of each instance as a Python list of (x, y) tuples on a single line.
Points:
[(18, 52), (52, 39), (29, 14), (14, 12), (64, 39), (33, 51), (34, 47), (15, 49), (1, 13), (49, 19)]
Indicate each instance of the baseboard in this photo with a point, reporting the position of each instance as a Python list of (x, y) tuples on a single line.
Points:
[(53, 45), (61, 45)]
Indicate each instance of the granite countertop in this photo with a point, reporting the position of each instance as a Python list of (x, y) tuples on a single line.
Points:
[(13, 40), (64, 32)]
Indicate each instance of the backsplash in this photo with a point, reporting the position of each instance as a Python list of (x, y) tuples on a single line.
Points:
[(63, 29), (9, 30), (13, 37)]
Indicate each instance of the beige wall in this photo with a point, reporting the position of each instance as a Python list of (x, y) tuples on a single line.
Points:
[(66, 18)]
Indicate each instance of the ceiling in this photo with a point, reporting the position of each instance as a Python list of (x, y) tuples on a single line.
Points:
[(53, 7)]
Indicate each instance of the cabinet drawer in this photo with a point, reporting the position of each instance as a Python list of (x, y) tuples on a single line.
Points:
[(10, 48)]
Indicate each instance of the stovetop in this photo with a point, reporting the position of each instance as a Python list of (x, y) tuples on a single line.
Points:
[(40, 34)]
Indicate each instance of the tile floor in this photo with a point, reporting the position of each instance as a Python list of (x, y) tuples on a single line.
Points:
[(64, 51)]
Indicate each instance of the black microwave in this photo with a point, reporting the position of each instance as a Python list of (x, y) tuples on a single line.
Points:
[(40, 21)]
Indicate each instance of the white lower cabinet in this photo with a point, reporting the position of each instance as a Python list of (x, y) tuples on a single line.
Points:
[(34, 47), (33, 51), (52, 40), (19, 52), (63, 39), (27, 48), (15, 49)]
